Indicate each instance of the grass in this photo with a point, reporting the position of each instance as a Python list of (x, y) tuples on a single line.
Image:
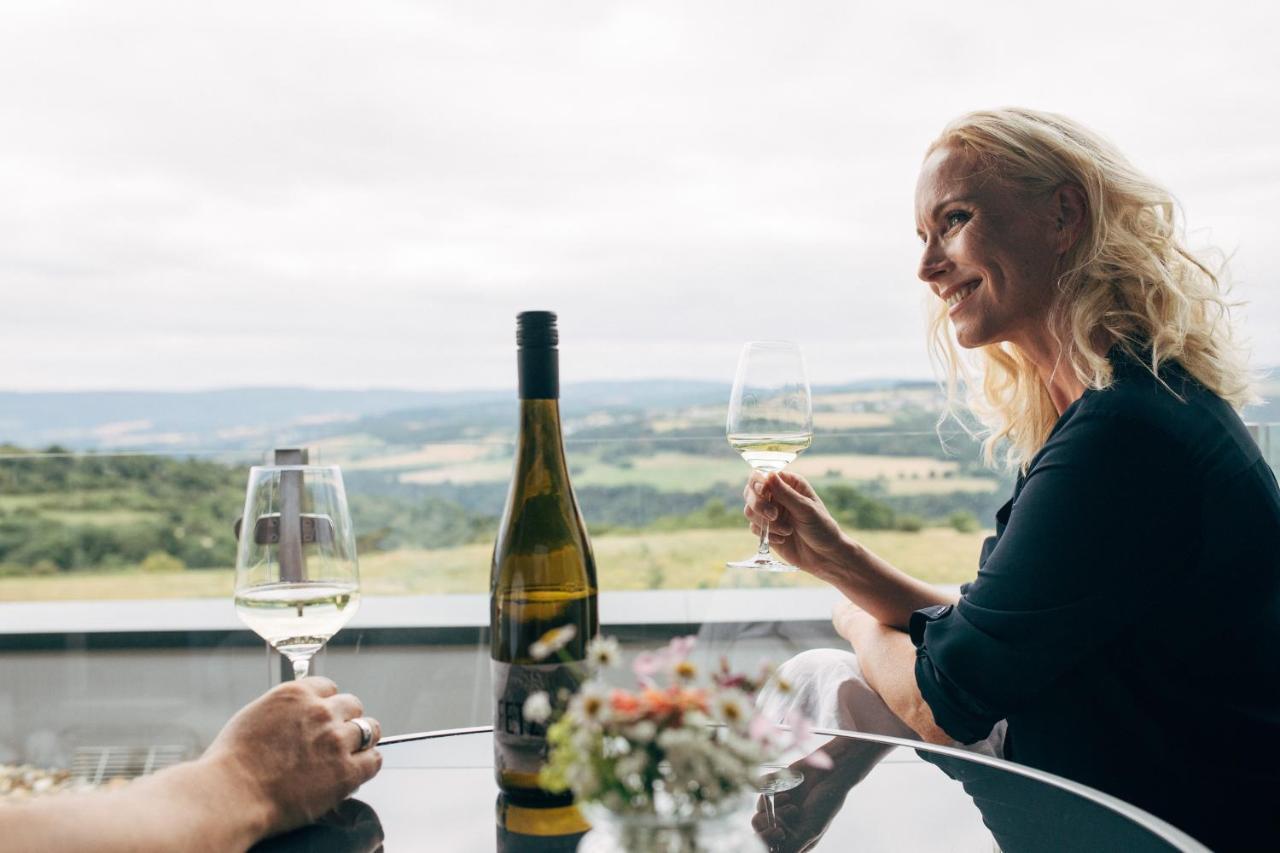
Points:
[(427, 456), (865, 466), (673, 472), (686, 559), (99, 517), (496, 471), (852, 420), (10, 503), (942, 487)]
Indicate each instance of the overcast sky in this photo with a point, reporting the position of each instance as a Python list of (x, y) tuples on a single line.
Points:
[(198, 195)]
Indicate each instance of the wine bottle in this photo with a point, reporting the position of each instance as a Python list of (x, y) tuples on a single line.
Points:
[(543, 576), (556, 829)]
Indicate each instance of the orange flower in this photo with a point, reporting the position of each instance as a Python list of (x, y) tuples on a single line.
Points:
[(658, 702), (624, 703)]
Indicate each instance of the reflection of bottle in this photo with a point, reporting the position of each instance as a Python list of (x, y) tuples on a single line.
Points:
[(557, 829), (544, 575)]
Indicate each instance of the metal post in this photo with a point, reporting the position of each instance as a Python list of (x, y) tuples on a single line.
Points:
[(293, 562)]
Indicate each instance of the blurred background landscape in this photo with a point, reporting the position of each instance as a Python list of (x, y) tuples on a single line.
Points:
[(117, 505)]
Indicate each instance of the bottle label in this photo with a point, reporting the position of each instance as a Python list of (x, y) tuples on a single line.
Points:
[(520, 745)]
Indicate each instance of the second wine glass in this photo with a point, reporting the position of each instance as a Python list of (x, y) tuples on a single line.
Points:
[(770, 421), (297, 577)]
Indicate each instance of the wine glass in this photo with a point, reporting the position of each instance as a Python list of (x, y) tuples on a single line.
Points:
[(770, 421), (774, 779), (297, 579)]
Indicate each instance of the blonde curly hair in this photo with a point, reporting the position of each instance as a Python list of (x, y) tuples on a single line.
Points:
[(1129, 281)]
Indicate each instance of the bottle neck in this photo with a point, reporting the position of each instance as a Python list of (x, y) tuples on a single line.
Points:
[(539, 373), (540, 444)]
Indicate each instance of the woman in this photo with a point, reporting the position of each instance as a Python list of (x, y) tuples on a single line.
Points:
[(1125, 620)]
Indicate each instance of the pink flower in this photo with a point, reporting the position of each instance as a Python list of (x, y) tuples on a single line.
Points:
[(680, 647), (761, 730), (800, 729), (646, 665)]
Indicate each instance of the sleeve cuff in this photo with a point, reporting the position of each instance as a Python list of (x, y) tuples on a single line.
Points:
[(953, 711)]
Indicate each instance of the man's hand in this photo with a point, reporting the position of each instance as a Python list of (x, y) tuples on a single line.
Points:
[(294, 751)]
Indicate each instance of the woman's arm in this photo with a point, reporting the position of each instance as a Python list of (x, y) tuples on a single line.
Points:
[(281, 762), (804, 533), (887, 658)]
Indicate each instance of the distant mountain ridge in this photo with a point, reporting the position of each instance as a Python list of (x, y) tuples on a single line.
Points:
[(252, 418), (235, 418)]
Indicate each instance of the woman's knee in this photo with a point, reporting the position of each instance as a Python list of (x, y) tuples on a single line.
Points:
[(820, 664)]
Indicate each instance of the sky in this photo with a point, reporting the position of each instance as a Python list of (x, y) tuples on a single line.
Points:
[(337, 194)]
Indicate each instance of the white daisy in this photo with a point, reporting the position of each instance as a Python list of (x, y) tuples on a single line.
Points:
[(537, 708), (603, 651)]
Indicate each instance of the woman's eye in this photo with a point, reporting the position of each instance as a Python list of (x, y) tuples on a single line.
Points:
[(954, 218)]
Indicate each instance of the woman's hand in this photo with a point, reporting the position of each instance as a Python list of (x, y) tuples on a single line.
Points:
[(294, 752), (804, 813), (800, 528)]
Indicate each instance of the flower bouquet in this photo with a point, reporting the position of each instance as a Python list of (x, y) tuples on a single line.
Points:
[(663, 765)]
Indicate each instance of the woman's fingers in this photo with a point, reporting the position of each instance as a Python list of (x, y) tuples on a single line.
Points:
[(795, 483), (780, 532), (755, 497)]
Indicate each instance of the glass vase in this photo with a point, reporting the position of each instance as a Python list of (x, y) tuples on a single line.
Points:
[(725, 828)]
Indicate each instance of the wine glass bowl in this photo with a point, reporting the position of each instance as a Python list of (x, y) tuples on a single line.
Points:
[(770, 421), (297, 576), (775, 779)]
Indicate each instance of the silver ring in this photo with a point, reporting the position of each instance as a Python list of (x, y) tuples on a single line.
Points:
[(366, 733)]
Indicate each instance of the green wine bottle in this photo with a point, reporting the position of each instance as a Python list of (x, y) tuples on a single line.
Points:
[(543, 576), (555, 829)]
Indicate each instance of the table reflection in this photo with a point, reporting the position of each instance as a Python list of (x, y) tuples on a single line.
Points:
[(438, 793), (352, 827)]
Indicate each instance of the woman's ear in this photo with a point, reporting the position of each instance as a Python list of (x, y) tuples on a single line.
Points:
[(1071, 209)]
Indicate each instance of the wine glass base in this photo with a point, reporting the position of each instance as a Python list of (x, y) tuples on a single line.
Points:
[(761, 564)]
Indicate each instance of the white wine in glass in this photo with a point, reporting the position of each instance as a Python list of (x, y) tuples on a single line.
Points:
[(770, 421), (297, 577)]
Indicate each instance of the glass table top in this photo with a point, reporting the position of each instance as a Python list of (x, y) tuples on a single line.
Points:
[(436, 792)]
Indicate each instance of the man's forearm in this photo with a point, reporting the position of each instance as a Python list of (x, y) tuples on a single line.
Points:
[(191, 807)]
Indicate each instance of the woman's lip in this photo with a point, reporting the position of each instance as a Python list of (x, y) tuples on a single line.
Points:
[(975, 284)]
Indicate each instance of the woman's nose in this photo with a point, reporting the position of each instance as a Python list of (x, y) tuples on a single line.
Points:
[(933, 262)]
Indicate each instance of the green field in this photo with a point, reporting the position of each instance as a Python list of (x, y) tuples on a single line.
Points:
[(100, 517), (686, 559), (687, 472)]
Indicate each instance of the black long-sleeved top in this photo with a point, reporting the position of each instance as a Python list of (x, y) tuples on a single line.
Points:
[(1126, 615)]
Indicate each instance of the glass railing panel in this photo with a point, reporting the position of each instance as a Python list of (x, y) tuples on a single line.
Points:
[(116, 568)]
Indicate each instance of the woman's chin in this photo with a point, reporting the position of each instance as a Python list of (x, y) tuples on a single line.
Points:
[(967, 337)]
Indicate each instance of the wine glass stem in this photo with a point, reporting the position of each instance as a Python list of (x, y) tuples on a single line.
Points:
[(768, 810), (301, 666), (763, 550)]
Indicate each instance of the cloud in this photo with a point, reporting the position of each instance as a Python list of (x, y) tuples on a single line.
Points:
[(196, 195)]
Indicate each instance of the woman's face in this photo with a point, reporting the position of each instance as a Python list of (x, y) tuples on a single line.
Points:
[(990, 252)]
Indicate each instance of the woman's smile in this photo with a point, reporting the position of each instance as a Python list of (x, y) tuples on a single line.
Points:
[(960, 295)]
